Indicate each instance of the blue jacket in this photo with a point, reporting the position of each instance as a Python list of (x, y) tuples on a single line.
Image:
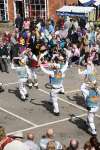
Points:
[(92, 100)]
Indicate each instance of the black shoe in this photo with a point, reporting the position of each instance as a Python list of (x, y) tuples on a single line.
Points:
[(56, 114), (50, 103), (27, 95), (30, 87), (61, 93), (36, 87), (7, 71), (1, 90)]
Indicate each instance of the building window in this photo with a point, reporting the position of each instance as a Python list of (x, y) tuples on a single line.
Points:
[(3, 10), (38, 8)]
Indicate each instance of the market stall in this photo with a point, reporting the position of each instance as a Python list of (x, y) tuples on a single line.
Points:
[(80, 11)]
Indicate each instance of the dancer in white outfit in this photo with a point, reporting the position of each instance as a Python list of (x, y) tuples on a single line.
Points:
[(57, 77), (23, 75)]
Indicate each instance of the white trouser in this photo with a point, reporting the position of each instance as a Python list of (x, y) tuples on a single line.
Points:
[(22, 87), (91, 114), (33, 76), (84, 90), (62, 89), (33, 73), (54, 99)]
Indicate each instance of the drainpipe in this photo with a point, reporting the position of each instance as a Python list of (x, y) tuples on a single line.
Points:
[(47, 8)]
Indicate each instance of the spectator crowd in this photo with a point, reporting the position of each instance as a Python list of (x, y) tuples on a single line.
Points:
[(74, 39), (48, 141)]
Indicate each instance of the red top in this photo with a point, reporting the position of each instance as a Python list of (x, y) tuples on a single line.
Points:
[(5, 141)]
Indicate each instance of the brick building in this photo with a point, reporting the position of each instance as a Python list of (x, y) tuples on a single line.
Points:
[(30, 8)]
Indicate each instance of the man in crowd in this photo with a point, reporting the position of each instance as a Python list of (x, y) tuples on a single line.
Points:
[(30, 142), (49, 137)]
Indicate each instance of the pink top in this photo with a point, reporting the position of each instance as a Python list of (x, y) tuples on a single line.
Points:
[(26, 25)]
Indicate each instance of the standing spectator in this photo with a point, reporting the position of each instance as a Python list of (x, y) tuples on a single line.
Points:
[(14, 46), (19, 22), (30, 142), (74, 37), (3, 58), (26, 24), (91, 37), (51, 27), (63, 33)]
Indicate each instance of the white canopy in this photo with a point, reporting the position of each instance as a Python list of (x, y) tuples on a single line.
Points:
[(85, 1), (97, 2), (75, 10), (88, 2)]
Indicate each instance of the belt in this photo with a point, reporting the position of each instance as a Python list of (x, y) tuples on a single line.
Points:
[(56, 88)]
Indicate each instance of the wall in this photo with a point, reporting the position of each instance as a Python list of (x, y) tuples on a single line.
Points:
[(56, 4), (53, 6), (11, 10)]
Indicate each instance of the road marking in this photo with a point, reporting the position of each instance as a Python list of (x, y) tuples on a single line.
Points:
[(11, 83), (63, 100), (19, 117), (49, 123), (97, 115), (72, 91)]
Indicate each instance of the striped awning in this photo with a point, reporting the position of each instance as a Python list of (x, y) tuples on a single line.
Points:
[(97, 2), (87, 2)]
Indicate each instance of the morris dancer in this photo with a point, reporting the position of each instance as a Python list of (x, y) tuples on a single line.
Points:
[(90, 93), (89, 75), (57, 76), (23, 74), (92, 103), (33, 64)]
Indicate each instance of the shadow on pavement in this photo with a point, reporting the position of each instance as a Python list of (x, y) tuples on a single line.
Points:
[(48, 106), (78, 98), (15, 92), (80, 123)]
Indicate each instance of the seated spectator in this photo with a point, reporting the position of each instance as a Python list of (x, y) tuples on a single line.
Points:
[(30, 142), (47, 138), (4, 140), (74, 145)]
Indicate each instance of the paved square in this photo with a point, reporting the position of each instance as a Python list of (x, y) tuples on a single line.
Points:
[(17, 115)]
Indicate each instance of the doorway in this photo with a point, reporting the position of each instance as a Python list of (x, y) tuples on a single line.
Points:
[(19, 7)]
